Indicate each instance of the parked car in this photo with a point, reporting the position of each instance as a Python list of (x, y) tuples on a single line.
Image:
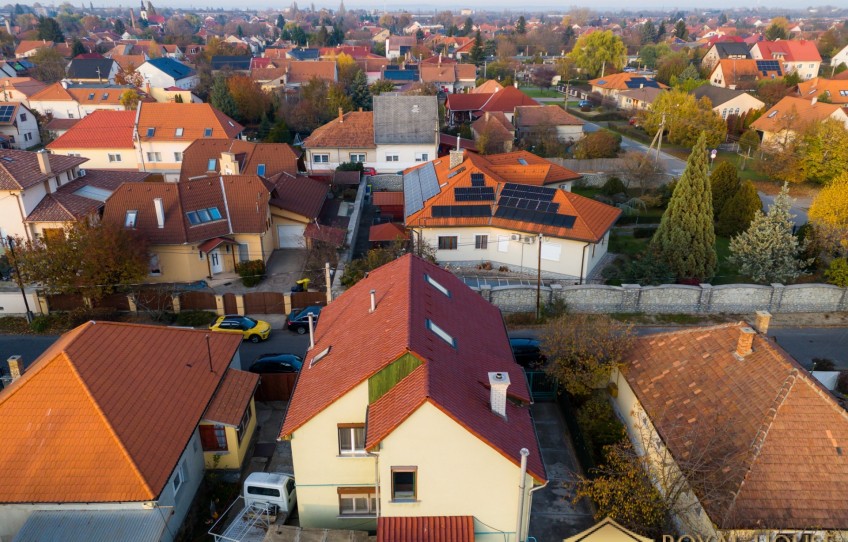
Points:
[(250, 329), (585, 105), (298, 319), (527, 352), (276, 363), (369, 171)]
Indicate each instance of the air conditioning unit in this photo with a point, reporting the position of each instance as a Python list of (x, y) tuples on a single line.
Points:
[(515, 237), (529, 239)]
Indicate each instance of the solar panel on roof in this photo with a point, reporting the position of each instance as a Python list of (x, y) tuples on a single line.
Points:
[(477, 179), (474, 193), (6, 112), (538, 193), (461, 211)]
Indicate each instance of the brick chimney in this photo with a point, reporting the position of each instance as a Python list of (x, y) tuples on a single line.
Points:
[(761, 324), (44, 162), (456, 157), (498, 382), (745, 341), (16, 367), (229, 164)]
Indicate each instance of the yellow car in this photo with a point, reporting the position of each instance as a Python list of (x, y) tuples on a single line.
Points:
[(254, 330)]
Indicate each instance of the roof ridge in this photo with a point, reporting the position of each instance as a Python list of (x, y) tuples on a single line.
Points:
[(106, 421)]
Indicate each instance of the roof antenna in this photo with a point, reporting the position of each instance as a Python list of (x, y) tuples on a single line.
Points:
[(209, 354)]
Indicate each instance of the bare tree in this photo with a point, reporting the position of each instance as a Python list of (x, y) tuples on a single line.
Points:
[(639, 169)]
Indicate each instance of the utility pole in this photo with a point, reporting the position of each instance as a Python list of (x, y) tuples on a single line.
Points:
[(18, 279), (539, 282), (660, 134)]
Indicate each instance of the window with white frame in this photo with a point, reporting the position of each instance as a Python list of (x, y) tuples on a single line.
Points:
[(242, 427), (129, 219), (357, 501), (178, 132), (422, 157), (321, 158), (481, 242), (392, 158), (154, 156), (113, 157), (357, 158), (179, 477), (178, 156), (351, 438)]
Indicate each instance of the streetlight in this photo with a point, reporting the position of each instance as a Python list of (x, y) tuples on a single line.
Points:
[(11, 243)]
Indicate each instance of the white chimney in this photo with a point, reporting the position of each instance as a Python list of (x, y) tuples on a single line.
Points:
[(160, 212), (456, 158), (498, 382), (373, 300), (44, 162), (16, 366), (763, 318)]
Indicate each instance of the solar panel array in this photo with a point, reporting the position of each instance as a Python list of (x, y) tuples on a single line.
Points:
[(6, 112), (545, 219), (766, 66), (538, 193), (639, 82), (474, 193), (461, 211), (419, 185), (477, 179), (531, 204)]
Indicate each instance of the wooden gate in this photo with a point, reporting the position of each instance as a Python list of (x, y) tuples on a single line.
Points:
[(65, 302), (275, 386), (117, 301), (230, 306), (197, 301), (300, 300), (264, 303)]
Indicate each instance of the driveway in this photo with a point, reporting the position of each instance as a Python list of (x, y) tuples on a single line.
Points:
[(283, 269)]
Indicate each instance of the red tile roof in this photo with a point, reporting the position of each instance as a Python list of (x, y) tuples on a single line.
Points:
[(387, 232), (232, 397), (352, 130), (546, 115), (25, 85), (301, 195), (193, 118), (466, 102), (488, 87), (789, 50), (782, 435), (327, 234), (277, 157), (426, 529), (100, 129), (453, 379), (507, 100), (19, 169), (104, 399), (387, 198)]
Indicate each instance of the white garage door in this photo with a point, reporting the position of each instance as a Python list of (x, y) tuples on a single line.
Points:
[(291, 236)]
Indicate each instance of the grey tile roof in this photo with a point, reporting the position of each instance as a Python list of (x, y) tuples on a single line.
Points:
[(405, 120), (727, 49), (717, 95), (86, 68)]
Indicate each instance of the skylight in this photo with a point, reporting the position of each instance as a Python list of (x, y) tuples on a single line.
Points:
[(207, 132), (435, 284), (150, 132), (319, 356), (129, 220), (522, 161), (105, 95), (202, 216), (91, 96), (260, 170), (210, 166), (179, 132), (772, 114), (441, 333)]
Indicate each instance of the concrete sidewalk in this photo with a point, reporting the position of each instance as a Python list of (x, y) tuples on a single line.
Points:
[(552, 516)]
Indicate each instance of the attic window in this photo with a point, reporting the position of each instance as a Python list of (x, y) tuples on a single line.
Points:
[(442, 334), (260, 170), (207, 132), (436, 285), (150, 132), (210, 166), (202, 216), (772, 114), (178, 132), (105, 95), (129, 220), (91, 96), (319, 356), (522, 161)]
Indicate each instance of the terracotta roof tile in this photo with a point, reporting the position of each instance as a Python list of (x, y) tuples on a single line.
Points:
[(387, 198), (61, 125), (778, 425), (194, 119), (743, 72), (232, 397), (790, 50), (794, 113), (301, 195), (103, 398), (550, 115), (26, 46), (454, 380), (507, 100), (25, 85), (277, 157), (303, 71), (619, 81), (19, 169), (327, 234), (836, 89), (466, 102), (99, 130), (387, 232), (488, 87), (353, 130), (426, 529)]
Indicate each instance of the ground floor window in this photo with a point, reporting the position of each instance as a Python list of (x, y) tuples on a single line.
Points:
[(213, 438), (321, 158), (448, 242), (481, 242), (404, 483), (357, 501)]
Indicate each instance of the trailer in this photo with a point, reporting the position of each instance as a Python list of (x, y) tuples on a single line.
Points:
[(267, 499)]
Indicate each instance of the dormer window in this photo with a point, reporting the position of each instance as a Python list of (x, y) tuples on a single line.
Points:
[(91, 96), (210, 166), (178, 132), (207, 132), (150, 132), (105, 95)]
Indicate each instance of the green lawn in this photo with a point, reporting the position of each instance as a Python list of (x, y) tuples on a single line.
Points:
[(589, 192), (536, 92)]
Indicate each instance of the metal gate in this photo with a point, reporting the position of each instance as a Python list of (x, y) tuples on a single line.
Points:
[(542, 386)]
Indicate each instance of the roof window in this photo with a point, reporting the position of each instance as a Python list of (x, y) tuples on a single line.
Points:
[(435, 284), (91, 96), (522, 161), (202, 216), (210, 166), (772, 114), (178, 132), (207, 132), (150, 132), (129, 220), (319, 356), (260, 170), (105, 95), (441, 333)]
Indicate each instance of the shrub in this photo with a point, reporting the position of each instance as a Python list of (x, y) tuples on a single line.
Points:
[(837, 272), (519, 319), (195, 318), (737, 213), (599, 425), (644, 233), (555, 308), (350, 166), (40, 324), (251, 272), (842, 383), (613, 186), (600, 144), (823, 364)]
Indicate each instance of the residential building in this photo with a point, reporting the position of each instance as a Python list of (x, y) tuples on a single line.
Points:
[(25, 179), (69, 101), (835, 90), (467, 107), (410, 406), (163, 131), (93, 70), (406, 130), (27, 48), (545, 120), (139, 394), (727, 102), (18, 127), (839, 58), (791, 115), (399, 46), (730, 400), (449, 77), (638, 99), (744, 74), (239, 63), (610, 86), (607, 530), (795, 56), (166, 72), (510, 210), (213, 157), (497, 132), (309, 54), (19, 89), (725, 49), (348, 138), (104, 138)]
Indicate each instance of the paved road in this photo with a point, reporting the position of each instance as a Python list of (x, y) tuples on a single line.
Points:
[(673, 166), (799, 208)]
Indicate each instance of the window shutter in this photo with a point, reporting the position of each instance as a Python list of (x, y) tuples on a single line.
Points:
[(208, 438)]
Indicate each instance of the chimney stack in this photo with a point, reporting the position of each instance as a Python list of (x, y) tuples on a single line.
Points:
[(341, 115), (746, 340), (160, 212), (456, 158), (373, 300), (16, 366), (762, 322), (498, 382), (44, 162)]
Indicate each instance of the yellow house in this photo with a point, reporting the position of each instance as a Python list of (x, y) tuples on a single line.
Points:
[(745, 438), (410, 405), (230, 421)]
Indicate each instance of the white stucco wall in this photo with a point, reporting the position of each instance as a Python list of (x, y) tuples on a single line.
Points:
[(99, 158), (406, 155)]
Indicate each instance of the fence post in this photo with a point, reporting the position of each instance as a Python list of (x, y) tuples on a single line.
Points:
[(287, 303), (42, 303), (86, 301), (705, 303), (843, 304), (240, 304), (219, 304), (776, 297), (555, 293), (486, 292), (175, 301), (632, 298), (132, 304)]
